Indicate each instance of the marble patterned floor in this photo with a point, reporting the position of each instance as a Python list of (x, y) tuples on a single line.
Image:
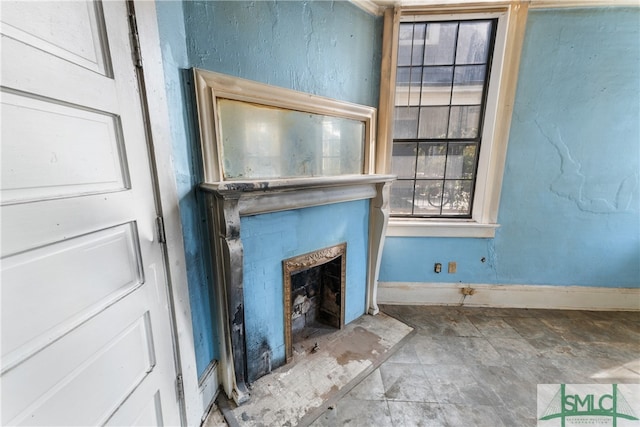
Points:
[(480, 367)]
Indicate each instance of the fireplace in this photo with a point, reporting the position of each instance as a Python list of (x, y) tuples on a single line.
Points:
[(287, 173), (314, 293)]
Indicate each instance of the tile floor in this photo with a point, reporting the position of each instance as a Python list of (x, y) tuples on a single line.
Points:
[(468, 367)]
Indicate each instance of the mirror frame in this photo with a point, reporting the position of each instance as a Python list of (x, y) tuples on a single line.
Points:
[(210, 86)]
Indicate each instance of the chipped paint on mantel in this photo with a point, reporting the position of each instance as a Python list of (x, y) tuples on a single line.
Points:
[(256, 197)]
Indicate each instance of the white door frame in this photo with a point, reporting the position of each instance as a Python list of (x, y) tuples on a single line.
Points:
[(197, 397)]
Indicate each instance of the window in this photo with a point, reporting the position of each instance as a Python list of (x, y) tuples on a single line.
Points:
[(441, 85), (446, 97)]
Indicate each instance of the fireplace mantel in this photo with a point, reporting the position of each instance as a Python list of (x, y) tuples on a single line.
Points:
[(257, 197), (229, 200)]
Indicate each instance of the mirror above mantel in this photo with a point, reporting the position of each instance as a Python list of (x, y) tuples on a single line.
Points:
[(253, 131)]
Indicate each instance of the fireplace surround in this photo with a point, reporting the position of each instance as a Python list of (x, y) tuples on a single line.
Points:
[(234, 200)]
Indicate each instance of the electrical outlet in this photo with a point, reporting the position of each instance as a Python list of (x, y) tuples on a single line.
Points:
[(452, 267), (437, 267)]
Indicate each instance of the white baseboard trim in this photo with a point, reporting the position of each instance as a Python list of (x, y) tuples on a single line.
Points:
[(208, 386), (513, 296)]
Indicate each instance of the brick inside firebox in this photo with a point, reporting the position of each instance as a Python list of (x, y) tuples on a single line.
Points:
[(315, 295)]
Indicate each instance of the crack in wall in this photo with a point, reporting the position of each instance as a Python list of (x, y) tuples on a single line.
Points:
[(571, 181), (492, 256), (309, 31)]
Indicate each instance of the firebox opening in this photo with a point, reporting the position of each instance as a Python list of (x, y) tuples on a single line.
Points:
[(314, 294), (316, 300)]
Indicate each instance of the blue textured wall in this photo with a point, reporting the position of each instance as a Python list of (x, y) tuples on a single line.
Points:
[(326, 48), (570, 204), (271, 238)]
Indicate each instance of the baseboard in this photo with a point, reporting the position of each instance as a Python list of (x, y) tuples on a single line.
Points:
[(515, 296), (208, 386)]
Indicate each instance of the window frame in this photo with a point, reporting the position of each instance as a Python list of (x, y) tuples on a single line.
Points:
[(497, 116), (447, 141)]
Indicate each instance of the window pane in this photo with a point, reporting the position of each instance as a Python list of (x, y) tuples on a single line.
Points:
[(441, 39), (461, 161), (403, 79), (428, 199), (436, 83), (468, 83), (402, 197), (441, 76), (416, 86), (404, 159), (408, 85), (405, 43), (431, 160), (418, 44), (403, 76), (473, 42), (406, 122), (456, 199), (464, 121), (433, 122)]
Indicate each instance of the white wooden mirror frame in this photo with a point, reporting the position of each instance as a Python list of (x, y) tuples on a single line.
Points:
[(210, 86)]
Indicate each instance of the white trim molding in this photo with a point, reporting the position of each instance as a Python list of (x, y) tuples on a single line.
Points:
[(209, 385), (195, 394), (510, 296), (540, 4), (370, 5), (373, 7), (401, 227)]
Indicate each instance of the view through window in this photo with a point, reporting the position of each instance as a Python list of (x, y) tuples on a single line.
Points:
[(441, 88)]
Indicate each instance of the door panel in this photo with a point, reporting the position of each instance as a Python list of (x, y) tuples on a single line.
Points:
[(86, 326), (130, 414), (83, 152), (48, 395), (105, 265), (72, 32)]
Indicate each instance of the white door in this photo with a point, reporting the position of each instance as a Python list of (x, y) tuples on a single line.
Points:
[(86, 330)]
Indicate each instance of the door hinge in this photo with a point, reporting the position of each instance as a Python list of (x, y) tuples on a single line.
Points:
[(162, 237), (180, 387), (135, 41)]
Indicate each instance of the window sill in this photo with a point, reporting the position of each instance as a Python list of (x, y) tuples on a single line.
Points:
[(402, 227)]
